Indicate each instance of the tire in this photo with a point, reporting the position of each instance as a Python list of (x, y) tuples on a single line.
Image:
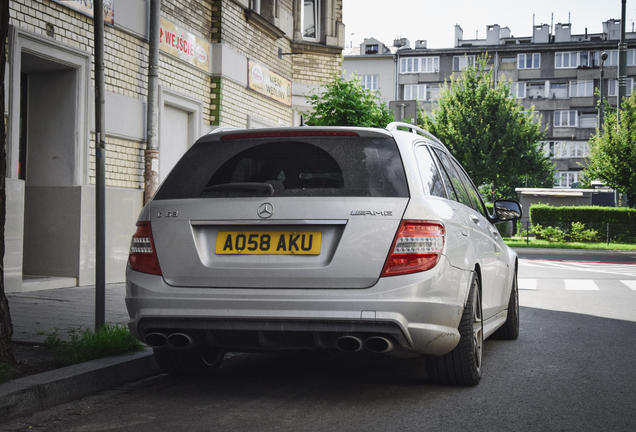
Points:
[(510, 329), (182, 363), (462, 366)]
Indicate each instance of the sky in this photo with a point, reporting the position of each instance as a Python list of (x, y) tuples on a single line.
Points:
[(434, 21)]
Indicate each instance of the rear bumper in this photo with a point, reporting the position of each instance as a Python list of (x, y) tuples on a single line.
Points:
[(419, 312)]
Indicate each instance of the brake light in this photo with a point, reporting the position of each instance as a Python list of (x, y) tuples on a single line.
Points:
[(285, 134), (142, 257), (417, 247)]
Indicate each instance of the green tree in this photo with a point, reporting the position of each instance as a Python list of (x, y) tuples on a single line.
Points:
[(612, 157), (489, 132), (348, 103)]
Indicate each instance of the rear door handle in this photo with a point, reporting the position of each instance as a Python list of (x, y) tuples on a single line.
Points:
[(474, 219)]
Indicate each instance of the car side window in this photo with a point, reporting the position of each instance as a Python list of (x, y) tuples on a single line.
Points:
[(447, 181), (472, 192), (431, 178), (462, 195)]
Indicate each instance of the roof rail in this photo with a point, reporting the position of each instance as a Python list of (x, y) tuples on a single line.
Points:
[(223, 129), (414, 129)]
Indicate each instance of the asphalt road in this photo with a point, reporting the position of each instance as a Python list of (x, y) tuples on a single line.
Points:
[(573, 368)]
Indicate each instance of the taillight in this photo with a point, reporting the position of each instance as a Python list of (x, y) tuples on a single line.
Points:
[(142, 257), (417, 247)]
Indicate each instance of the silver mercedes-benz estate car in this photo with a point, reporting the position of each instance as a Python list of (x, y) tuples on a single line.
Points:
[(322, 238)]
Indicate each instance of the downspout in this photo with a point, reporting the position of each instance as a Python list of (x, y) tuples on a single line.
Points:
[(151, 154)]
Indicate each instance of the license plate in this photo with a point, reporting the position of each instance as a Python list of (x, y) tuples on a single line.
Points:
[(268, 243)]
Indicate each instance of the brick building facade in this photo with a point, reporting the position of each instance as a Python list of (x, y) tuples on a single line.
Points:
[(212, 51)]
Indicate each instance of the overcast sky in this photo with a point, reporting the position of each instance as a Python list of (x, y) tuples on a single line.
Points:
[(434, 21)]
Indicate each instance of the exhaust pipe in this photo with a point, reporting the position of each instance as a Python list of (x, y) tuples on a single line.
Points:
[(181, 341), (349, 344), (155, 340), (378, 344)]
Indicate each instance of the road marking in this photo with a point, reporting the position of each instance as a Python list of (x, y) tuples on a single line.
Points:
[(626, 269), (580, 285), (527, 284), (630, 283)]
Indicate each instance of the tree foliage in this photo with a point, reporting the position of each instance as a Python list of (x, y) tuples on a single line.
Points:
[(348, 103), (489, 133), (612, 157)]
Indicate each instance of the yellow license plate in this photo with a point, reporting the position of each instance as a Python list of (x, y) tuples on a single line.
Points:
[(268, 243)]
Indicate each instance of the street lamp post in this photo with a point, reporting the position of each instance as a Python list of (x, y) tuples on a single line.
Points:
[(601, 105)]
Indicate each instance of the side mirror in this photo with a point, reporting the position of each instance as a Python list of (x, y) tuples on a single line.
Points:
[(506, 210)]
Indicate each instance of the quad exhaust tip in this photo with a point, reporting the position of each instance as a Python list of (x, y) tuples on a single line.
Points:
[(176, 341), (376, 344)]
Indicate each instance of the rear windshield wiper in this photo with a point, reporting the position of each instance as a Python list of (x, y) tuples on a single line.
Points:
[(244, 186)]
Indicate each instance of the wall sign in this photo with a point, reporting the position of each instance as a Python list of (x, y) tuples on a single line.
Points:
[(268, 83), (182, 44), (86, 7)]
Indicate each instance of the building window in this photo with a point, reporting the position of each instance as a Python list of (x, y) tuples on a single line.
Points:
[(529, 61), (371, 49), (462, 62), (310, 19), (567, 178), (612, 58), (581, 88), (564, 60), (256, 6), (565, 118), (566, 149), (421, 92), (419, 65), (370, 82), (518, 90), (612, 87)]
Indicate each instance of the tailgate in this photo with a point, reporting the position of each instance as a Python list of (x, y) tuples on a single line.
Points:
[(308, 242)]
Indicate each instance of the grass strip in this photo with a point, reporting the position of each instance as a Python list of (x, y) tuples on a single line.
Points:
[(520, 242), (86, 344)]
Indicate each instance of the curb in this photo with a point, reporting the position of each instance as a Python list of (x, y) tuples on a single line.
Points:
[(555, 251), (39, 392)]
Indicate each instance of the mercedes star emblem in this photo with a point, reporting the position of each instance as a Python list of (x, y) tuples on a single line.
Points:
[(265, 210)]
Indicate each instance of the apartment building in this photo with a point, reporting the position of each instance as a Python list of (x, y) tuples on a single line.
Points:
[(222, 63), (553, 70)]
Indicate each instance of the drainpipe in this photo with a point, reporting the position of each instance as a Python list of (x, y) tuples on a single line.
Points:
[(151, 154), (622, 64), (100, 166)]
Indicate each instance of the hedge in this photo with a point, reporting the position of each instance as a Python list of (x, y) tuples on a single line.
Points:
[(547, 215)]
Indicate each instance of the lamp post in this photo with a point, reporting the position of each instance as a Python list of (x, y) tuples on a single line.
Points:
[(601, 105)]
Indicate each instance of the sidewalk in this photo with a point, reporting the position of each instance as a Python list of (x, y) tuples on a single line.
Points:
[(36, 314)]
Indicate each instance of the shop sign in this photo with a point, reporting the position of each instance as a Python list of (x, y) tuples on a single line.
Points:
[(86, 7), (182, 44), (268, 83)]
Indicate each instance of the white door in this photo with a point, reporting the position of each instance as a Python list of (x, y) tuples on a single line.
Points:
[(173, 139)]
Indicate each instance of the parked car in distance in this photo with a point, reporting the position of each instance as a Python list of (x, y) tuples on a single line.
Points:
[(322, 238)]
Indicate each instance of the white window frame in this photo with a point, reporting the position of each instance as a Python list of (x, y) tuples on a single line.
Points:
[(370, 82), (612, 87), (572, 60), (535, 62), (419, 65), (518, 90), (377, 49), (582, 88), (462, 62), (316, 13), (570, 177), (417, 92), (565, 118)]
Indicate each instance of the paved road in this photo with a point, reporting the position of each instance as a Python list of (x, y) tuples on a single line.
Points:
[(572, 369)]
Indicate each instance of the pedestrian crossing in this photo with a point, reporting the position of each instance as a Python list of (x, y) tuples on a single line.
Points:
[(573, 284), (627, 269)]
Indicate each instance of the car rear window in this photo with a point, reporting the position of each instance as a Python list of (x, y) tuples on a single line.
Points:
[(311, 166)]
